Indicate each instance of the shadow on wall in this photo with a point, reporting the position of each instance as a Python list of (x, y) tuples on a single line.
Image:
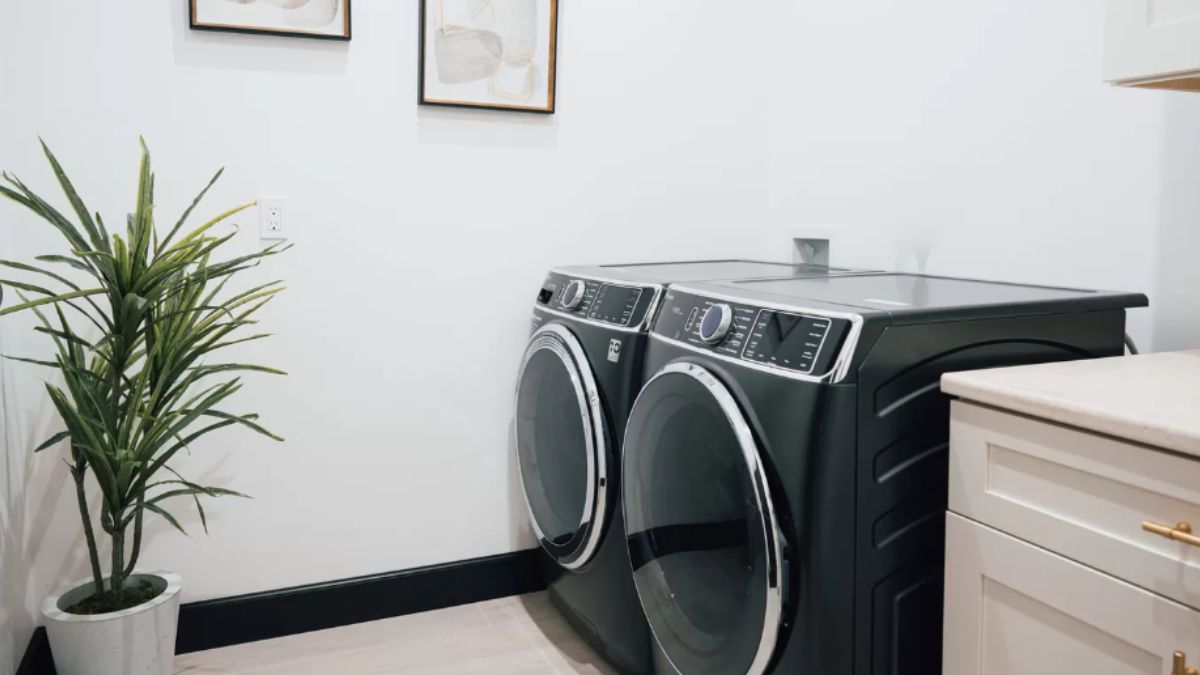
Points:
[(1177, 276), (209, 49), (33, 486), (438, 125), (523, 536), (41, 540)]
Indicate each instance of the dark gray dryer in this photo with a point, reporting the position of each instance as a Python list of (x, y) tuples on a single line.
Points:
[(580, 374), (785, 464)]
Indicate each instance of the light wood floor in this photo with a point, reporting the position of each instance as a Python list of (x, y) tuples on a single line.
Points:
[(522, 635)]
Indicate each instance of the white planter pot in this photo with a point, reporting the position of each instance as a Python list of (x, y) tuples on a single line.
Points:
[(135, 641)]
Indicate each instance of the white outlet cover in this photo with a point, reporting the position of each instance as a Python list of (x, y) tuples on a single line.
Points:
[(272, 218)]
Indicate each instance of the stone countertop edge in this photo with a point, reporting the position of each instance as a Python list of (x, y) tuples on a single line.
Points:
[(1152, 399)]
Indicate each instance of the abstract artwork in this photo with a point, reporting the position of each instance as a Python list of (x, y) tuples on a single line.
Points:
[(329, 19), (489, 53)]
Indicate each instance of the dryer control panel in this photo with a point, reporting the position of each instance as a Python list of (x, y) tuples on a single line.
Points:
[(795, 341), (603, 302)]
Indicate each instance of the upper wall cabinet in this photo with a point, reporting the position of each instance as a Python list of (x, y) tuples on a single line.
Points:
[(1153, 43)]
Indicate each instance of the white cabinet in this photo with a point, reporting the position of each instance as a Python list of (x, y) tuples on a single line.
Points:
[(1013, 608), (1083, 495), (1153, 43), (1074, 513)]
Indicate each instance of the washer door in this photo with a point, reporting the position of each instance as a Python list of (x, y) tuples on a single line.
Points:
[(703, 539), (562, 448)]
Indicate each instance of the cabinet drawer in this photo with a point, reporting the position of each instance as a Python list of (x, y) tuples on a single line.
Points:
[(1015, 609), (1082, 495)]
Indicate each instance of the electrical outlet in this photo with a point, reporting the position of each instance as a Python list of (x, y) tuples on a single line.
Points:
[(810, 251), (271, 221), (812, 244)]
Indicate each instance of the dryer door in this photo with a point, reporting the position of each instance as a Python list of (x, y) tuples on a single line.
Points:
[(562, 446), (703, 537)]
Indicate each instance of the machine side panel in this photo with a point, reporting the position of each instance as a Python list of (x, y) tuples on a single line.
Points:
[(902, 466)]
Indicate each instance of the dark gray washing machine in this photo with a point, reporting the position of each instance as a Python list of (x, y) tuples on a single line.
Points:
[(578, 379), (785, 466)]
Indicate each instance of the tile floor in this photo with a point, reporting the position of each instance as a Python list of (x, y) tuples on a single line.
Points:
[(521, 635)]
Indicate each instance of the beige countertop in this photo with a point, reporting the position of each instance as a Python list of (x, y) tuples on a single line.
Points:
[(1152, 398)]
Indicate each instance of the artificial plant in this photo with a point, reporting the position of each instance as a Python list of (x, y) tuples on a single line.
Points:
[(135, 322)]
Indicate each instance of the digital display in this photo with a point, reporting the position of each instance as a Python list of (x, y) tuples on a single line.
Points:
[(615, 304), (544, 295), (786, 340)]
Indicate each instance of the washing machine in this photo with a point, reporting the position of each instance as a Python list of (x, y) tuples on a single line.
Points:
[(785, 464), (578, 378)]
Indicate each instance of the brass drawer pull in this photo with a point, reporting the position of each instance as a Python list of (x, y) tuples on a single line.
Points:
[(1181, 666), (1181, 532)]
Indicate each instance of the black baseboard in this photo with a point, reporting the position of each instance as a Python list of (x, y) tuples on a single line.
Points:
[(247, 618), (260, 616)]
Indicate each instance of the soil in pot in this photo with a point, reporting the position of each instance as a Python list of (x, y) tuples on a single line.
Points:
[(110, 601)]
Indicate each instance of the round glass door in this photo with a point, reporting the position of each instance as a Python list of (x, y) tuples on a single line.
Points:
[(703, 539), (562, 447)]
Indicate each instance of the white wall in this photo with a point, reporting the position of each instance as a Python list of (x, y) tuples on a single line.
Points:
[(976, 138), (421, 236), (16, 620)]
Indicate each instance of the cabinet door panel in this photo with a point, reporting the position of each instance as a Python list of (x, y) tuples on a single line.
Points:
[(1082, 495), (1015, 609), (1151, 39)]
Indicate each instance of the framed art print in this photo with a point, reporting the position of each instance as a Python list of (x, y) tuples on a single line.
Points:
[(497, 54), (328, 19)]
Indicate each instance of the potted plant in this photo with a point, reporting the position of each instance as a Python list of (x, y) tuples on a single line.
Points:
[(136, 322)]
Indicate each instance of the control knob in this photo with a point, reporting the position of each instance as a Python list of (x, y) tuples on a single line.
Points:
[(716, 323), (572, 295)]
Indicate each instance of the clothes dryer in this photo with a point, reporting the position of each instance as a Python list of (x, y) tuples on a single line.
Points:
[(785, 466)]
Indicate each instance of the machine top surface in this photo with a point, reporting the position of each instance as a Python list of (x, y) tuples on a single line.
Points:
[(918, 295), (702, 270)]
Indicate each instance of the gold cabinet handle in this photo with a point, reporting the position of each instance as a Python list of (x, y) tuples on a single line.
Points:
[(1181, 532), (1181, 666)]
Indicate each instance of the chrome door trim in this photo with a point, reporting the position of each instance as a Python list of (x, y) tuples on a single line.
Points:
[(773, 611), (558, 340)]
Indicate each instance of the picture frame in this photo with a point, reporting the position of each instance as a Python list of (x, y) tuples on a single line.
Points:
[(487, 71), (316, 19)]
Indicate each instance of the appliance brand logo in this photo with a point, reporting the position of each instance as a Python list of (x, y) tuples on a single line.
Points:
[(614, 350)]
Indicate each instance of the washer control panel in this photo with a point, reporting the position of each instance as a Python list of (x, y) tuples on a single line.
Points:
[(786, 340), (604, 302), (792, 341)]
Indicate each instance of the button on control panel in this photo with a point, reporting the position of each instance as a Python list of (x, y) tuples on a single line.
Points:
[(715, 325), (729, 324), (572, 296)]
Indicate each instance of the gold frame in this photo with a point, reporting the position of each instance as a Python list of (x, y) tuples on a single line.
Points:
[(551, 72)]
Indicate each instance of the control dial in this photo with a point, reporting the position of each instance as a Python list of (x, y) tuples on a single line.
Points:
[(572, 295), (716, 323)]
